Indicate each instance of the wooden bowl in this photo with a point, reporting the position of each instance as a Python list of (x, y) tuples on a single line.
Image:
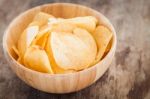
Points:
[(58, 83)]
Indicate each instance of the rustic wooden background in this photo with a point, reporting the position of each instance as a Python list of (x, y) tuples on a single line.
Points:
[(128, 76)]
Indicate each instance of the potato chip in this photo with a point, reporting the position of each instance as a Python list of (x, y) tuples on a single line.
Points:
[(36, 58), (55, 67), (108, 46), (70, 51), (20, 60), (41, 37), (42, 41), (59, 25), (87, 22), (102, 36), (26, 38), (62, 26), (42, 18), (34, 23), (15, 50), (89, 40), (52, 21)]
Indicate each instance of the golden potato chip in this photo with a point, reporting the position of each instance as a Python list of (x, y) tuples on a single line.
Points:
[(70, 51), (108, 46), (62, 26), (56, 69), (15, 50), (45, 30), (89, 40), (102, 36), (34, 23), (36, 58), (52, 21), (20, 60), (59, 25), (42, 41), (87, 22), (42, 18), (41, 37), (26, 38)]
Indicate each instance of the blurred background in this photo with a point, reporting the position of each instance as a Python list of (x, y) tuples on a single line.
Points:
[(129, 74)]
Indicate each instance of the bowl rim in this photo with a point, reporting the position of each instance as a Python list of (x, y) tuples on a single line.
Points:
[(6, 53)]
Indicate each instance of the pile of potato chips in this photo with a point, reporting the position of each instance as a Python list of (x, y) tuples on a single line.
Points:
[(56, 45)]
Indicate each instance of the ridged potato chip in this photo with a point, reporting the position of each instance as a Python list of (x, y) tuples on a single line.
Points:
[(102, 36), (70, 51), (36, 58)]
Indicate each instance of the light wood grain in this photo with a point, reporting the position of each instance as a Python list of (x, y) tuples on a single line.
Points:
[(58, 83)]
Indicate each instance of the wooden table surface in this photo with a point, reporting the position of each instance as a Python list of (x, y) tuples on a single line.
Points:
[(129, 74)]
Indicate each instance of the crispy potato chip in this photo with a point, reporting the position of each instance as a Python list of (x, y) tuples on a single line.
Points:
[(62, 26), (52, 21), (70, 51), (87, 22), (55, 67), (42, 18), (34, 23), (36, 58), (42, 41), (108, 46), (20, 60), (89, 40), (59, 25), (26, 38), (15, 50), (102, 36), (41, 37)]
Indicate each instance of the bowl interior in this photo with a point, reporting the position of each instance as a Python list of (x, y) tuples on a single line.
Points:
[(63, 10)]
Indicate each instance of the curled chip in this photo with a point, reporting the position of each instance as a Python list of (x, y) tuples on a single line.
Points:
[(87, 22), (58, 26), (102, 36), (26, 38), (73, 51), (37, 59), (62, 26), (89, 40), (41, 37), (16, 51), (55, 67), (42, 18)]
